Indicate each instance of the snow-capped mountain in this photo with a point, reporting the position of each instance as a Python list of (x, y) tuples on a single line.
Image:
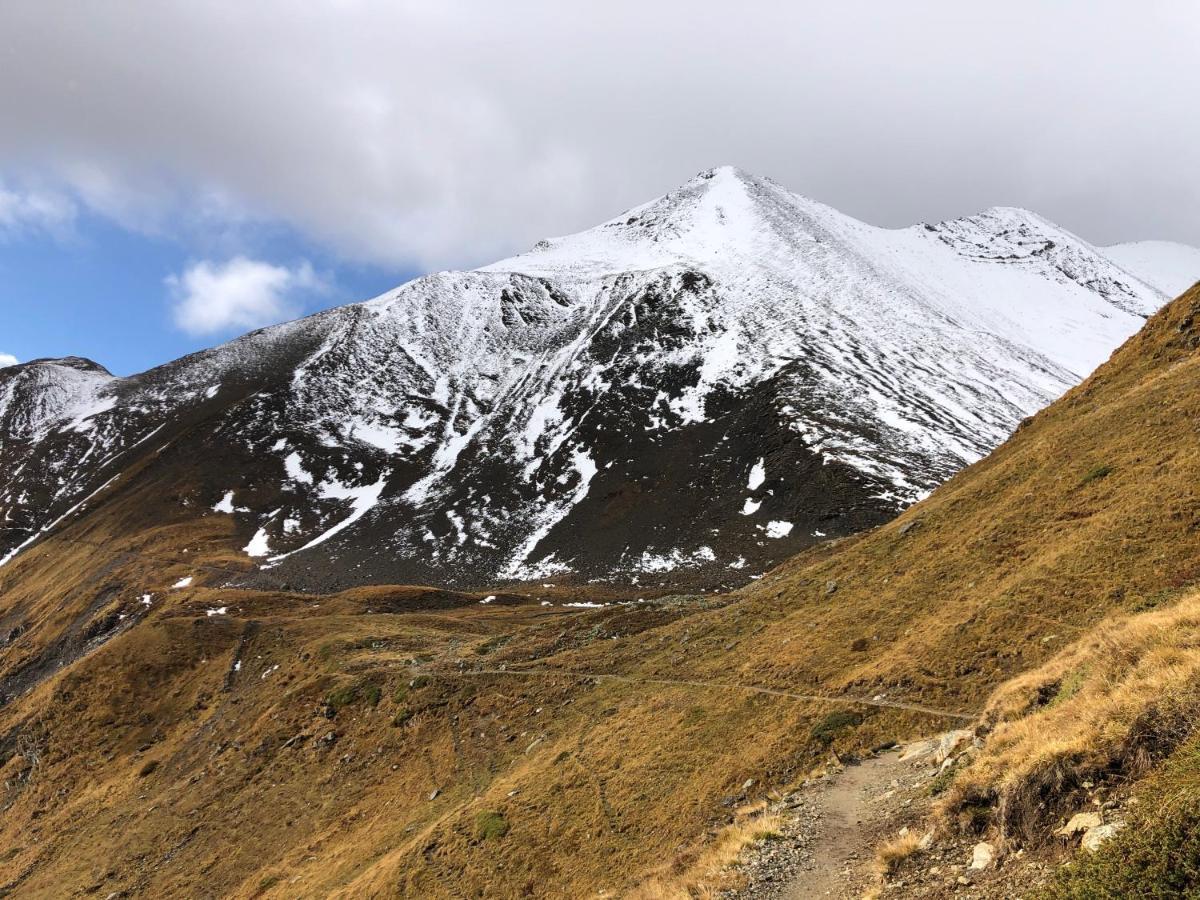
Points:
[(706, 384), (1167, 265)]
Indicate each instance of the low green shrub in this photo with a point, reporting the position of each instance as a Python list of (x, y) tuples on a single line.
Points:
[(490, 826), (829, 727)]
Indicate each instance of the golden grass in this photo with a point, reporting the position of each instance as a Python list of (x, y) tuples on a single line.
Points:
[(1116, 701), (1015, 555), (891, 854), (709, 871)]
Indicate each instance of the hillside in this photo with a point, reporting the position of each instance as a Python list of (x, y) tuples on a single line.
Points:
[(683, 396), (167, 736), (1168, 265)]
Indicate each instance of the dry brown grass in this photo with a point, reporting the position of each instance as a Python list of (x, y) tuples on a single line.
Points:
[(1113, 703), (708, 872), (1014, 557), (891, 854)]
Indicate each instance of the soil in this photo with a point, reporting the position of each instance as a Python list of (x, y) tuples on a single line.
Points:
[(832, 826), (835, 823)]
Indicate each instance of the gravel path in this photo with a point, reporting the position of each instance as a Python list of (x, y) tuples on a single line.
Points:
[(827, 844)]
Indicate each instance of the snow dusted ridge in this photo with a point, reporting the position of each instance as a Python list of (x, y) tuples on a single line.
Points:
[(708, 382), (1170, 267)]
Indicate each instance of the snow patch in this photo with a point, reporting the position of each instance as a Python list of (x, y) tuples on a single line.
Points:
[(362, 500), (259, 544), (758, 474)]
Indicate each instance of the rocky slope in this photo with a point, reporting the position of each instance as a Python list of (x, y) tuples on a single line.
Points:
[(700, 387)]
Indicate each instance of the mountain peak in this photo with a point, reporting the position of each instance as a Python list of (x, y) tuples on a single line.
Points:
[(719, 172), (724, 213), (648, 372), (79, 363)]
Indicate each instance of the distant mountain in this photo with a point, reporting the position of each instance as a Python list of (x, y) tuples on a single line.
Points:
[(1168, 266), (703, 385)]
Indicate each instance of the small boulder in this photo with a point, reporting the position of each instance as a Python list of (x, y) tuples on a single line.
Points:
[(1078, 823), (982, 856), (926, 841), (830, 587), (918, 749), (950, 742), (1094, 837)]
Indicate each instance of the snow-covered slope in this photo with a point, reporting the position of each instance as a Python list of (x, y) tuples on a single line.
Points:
[(51, 392), (1169, 266), (706, 383)]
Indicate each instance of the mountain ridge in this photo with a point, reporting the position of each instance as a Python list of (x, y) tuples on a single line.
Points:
[(468, 427)]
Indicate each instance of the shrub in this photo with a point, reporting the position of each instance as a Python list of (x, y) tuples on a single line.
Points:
[(492, 644), (354, 692), (269, 882), (1097, 473), (490, 826), (1068, 688), (828, 728), (941, 782), (341, 697), (1160, 859)]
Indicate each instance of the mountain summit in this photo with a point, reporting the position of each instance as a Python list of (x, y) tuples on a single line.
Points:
[(705, 384)]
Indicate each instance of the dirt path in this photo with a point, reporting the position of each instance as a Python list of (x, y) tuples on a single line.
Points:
[(707, 685), (843, 852), (833, 826)]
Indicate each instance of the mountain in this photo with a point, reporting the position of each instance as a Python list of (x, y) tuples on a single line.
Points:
[(699, 387), (162, 735), (1169, 266)]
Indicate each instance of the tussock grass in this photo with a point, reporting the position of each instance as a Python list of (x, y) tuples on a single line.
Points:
[(707, 872), (891, 854), (1113, 704)]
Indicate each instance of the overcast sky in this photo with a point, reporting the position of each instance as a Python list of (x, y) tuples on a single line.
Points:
[(288, 155)]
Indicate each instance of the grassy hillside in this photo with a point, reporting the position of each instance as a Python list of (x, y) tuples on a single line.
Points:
[(409, 741)]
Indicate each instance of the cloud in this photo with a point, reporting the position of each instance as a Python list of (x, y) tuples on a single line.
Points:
[(452, 133), (7, 359), (239, 294), (33, 210)]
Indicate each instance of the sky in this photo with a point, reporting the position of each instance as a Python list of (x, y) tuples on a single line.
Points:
[(174, 174)]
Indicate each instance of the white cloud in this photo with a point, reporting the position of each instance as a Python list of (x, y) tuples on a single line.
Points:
[(24, 210), (7, 359), (453, 132), (241, 293)]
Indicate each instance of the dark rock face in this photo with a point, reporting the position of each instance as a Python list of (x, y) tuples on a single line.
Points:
[(691, 392)]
